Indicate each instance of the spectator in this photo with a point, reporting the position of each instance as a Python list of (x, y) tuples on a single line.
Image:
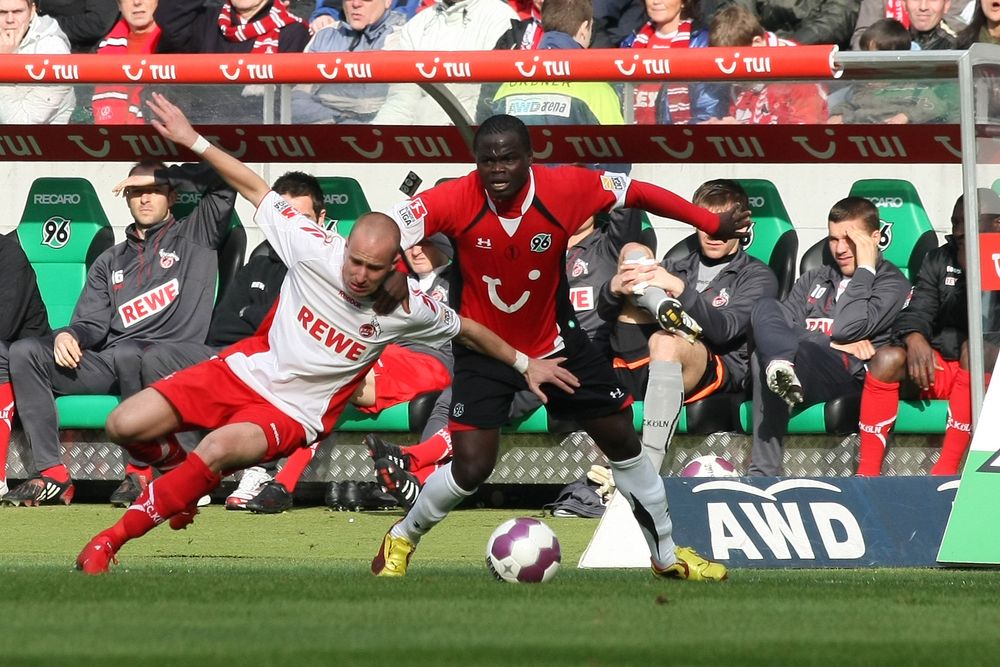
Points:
[(927, 26), (566, 24), (873, 10), (369, 26), (813, 345), (807, 21), (156, 286), (983, 28), (84, 22), (929, 351), (672, 24), (22, 315), (450, 25), (22, 31), (615, 21), (135, 33), (893, 102), (240, 27), (760, 103), (329, 12), (717, 286), (525, 31)]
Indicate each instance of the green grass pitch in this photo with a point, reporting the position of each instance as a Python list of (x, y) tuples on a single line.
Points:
[(237, 590)]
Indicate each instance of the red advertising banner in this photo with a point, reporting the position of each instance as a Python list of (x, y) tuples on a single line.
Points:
[(756, 144), (802, 62), (989, 261)]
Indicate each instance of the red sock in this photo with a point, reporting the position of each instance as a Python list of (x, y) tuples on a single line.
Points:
[(164, 497), (59, 473), (879, 409), (296, 464), (6, 419), (432, 451), (423, 473), (142, 471), (959, 430), (164, 453)]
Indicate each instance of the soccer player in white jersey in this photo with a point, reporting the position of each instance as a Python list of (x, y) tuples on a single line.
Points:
[(285, 387)]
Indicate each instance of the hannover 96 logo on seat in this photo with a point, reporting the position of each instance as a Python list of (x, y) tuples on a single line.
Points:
[(56, 232)]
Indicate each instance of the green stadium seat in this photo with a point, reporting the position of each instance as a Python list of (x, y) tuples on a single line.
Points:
[(63, 229), (233, 251), (772, 238), (345, 202)]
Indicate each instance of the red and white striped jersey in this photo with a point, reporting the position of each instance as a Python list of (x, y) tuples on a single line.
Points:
[(322, 340)]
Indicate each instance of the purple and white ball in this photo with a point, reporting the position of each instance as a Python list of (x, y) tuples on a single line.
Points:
[(709, 466), (523, 550)]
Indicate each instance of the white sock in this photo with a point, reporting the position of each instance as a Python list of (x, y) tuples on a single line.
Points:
[(643, 489), (661, 408), (439, 495)]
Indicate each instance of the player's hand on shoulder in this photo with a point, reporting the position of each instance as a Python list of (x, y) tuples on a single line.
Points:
[(549, 371)]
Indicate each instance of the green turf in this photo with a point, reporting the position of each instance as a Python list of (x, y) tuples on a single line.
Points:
[(237, 590)]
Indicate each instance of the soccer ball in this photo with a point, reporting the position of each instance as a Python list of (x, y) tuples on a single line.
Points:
[(522, 551), (709, 466)]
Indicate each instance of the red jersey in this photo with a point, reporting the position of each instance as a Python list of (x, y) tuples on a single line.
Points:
[(512, 272)]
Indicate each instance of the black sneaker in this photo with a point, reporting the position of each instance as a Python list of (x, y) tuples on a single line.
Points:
[(273, 498), (129, 490), (372, 498), (400, 484), (380, 449), (40, 491), (332, 497)]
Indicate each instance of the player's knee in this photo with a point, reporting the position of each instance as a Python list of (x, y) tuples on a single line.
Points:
[(120, 425), (471, 472), (215, 452), (888, 363), (631, 250), (664, 347)]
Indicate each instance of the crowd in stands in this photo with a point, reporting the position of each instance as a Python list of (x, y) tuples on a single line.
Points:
[(290, 26), (708, 320)]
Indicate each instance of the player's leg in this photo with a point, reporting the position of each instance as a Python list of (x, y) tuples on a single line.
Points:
[(879, 407), (676, 366), (958, 432), (144, 426)]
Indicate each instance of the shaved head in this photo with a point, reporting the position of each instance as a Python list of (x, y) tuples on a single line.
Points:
[(371, 251)]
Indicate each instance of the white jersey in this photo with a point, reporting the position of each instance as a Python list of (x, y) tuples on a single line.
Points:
[(322, 340)]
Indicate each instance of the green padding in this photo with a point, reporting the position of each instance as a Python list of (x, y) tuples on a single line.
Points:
[(922, 417), (535, 421), (904, 219), (809, 420), (60, 286), (85, 411), (345, 202), (395, 418), (60, 220), (770, 218)]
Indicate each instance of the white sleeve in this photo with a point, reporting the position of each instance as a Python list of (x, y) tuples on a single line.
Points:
[(431, 322), (293, 236), (409, 217)]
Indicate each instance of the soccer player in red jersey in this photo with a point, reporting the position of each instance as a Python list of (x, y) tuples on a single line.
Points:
[(285, 387), (509, 223)]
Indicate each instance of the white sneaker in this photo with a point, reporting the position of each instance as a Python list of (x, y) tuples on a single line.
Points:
[(251, 483), (781, 379), (3, 488), (204, 501)]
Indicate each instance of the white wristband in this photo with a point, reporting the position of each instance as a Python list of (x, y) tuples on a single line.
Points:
[(520, 362), (200, 145)]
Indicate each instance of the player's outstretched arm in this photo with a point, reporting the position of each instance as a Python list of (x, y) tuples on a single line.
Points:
[(173, 125), (731, 224), (536, 371)]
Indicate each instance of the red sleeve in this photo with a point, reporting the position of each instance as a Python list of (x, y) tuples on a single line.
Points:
[(665, 203)]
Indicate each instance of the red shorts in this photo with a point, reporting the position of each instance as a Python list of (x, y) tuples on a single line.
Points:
[(209, 395), (944, 378), (402, 374)]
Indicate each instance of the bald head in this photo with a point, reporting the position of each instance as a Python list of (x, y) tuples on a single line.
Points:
[(371, 252)]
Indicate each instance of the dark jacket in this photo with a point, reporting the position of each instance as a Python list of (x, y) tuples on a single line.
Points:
[(247, 300), (937, 307), (189, 26), (161, 288), (22, 312), (615, 20), (940, 38), (865, 311), (807, 21), (84, 22)]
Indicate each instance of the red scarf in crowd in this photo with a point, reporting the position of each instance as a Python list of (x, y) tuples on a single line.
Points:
[(117, 104), (896, 9), (646, 94), (264, 32)]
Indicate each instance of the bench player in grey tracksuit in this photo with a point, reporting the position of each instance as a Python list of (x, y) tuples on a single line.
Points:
[(813, 346), (717, 286), (156, 286)]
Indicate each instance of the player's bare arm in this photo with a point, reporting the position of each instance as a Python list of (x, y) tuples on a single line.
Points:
[(172, 124), (537, 372)]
